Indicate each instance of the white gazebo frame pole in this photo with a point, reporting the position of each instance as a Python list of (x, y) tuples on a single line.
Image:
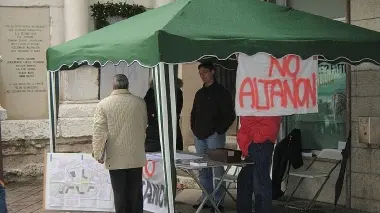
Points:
[(163, 78), (51, 109)]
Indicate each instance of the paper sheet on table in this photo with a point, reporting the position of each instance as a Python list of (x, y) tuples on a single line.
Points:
[(178, 156), (182, 156)]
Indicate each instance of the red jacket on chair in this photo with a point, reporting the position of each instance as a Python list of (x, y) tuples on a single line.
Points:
[(257, 129)]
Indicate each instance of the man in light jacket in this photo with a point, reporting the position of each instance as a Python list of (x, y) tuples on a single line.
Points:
[(118, 140)]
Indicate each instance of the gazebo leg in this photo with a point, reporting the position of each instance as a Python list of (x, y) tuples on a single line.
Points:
[(163, 79)]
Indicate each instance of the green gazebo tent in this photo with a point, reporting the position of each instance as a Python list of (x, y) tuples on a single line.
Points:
[(188, 30)]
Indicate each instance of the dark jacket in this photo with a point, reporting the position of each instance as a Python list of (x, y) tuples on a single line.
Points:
[(152, 141), (288, 150), (212, 111)]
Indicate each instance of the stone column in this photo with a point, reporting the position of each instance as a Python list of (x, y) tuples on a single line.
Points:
[(76, 18), (160, 3), (281, 2), (79, 87), (82, 83), (3, 114)]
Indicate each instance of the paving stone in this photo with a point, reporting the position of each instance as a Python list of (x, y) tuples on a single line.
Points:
[(28, 198)]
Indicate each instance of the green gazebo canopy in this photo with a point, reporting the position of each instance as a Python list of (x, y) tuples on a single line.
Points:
[(187, 30)]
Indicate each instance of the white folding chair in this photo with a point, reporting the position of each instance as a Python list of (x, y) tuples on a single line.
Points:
[(329, 154)]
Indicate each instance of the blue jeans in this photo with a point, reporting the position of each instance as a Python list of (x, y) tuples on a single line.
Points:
[(214, 141), (3, 203), (255, 178)]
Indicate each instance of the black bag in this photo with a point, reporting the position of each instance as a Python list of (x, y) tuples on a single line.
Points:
[(287, 152)]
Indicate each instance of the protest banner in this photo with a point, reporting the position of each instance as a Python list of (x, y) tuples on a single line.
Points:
[(267, 86), (154, 187)]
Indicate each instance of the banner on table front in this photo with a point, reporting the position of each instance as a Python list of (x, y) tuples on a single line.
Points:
[(267, 86), (154, 187)]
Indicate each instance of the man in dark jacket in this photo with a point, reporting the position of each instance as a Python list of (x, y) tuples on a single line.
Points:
[(152, 141), (211, 116)]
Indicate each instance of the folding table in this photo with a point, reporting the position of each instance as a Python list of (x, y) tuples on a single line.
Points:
[(191, 170)]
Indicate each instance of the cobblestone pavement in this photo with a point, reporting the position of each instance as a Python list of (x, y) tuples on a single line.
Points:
[(27, 198)]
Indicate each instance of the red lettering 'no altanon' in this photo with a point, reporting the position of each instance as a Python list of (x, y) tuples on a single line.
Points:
[(286, 90), (284, 68)]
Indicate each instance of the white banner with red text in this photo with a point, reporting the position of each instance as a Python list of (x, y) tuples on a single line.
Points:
[(267, 86), (154, 187)]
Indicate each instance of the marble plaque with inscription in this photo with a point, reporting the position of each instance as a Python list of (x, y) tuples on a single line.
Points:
[(24, 38)]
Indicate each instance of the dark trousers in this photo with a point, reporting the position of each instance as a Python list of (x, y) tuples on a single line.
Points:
[(128, 190), (3, 203), (255, 178)]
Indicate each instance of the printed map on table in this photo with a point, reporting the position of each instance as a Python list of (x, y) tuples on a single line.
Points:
[(75, 181)]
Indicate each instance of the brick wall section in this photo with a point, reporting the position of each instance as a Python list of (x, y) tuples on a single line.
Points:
[(365, 176)]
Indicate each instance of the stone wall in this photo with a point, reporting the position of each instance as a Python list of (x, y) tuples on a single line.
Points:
[(335, 8), (24, 141), (365, 176)]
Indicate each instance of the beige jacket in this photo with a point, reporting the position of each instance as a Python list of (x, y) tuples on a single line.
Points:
[(121, 120)]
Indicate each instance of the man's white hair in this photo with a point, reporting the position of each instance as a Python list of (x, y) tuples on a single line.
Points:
[(120, 81)]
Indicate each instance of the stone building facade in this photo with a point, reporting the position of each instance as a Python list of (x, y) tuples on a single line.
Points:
[(25, 134), (365, 170)]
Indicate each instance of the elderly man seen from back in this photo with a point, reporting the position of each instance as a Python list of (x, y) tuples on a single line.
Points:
[(118, 141)]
